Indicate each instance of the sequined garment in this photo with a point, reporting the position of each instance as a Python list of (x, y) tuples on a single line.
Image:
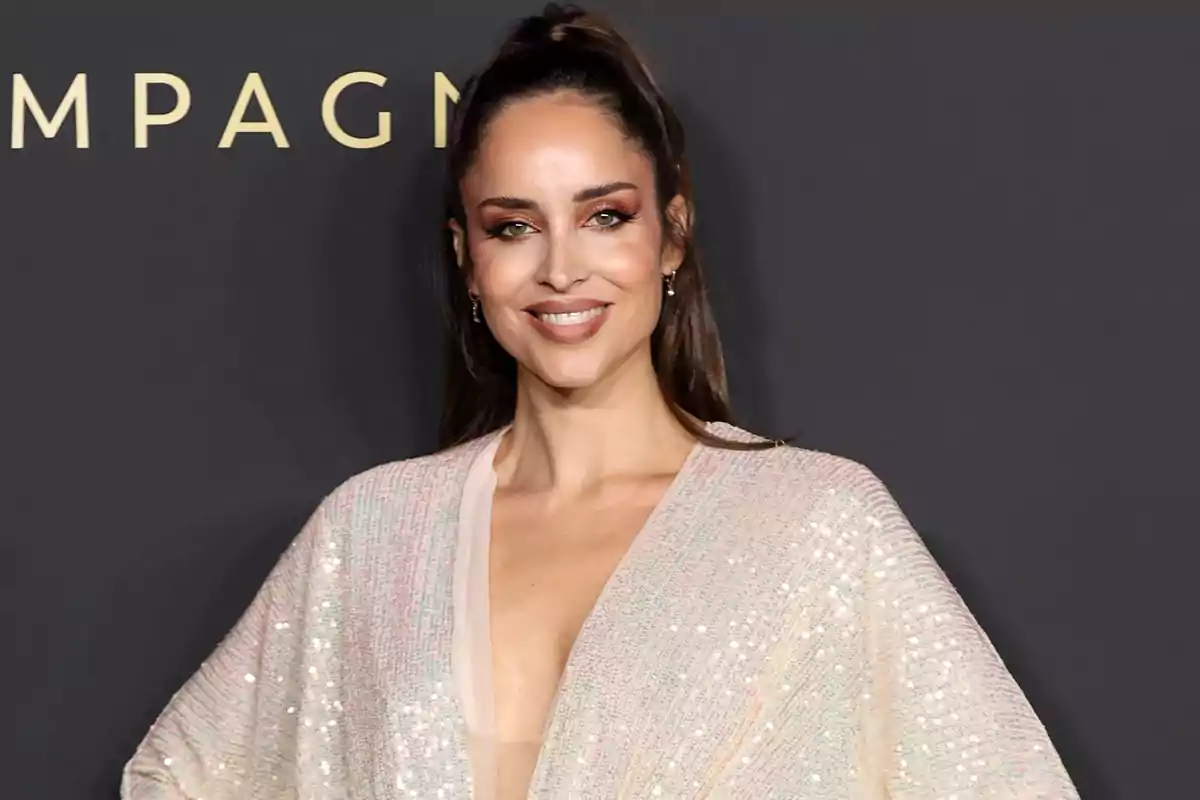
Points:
[(776, 630)]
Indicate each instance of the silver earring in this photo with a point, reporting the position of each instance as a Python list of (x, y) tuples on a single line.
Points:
[(671, 285), (475, 308)]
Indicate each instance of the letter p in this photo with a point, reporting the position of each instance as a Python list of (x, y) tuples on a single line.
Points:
[(142, 118)]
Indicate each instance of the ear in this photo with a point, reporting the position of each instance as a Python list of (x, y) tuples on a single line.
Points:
[(456, 234), (459, 240), (679, 218)]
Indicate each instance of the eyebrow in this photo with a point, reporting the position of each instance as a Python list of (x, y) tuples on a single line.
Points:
[(591, 193)]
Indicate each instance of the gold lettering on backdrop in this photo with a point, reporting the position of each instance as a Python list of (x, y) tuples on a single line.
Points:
[(329, 112), (444, 93), (142, 119), (253, 87), (25, 104), (75, 99)]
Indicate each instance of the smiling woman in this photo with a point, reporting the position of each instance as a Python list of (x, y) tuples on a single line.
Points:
[(601, 587), (575, 241)]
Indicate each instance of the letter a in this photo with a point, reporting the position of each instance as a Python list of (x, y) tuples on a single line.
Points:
[(253, 87)]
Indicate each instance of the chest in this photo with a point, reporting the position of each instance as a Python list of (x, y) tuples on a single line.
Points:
[(547, 569), (713, 642)]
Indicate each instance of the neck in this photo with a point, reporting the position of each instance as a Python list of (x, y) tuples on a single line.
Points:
[(569, 441)]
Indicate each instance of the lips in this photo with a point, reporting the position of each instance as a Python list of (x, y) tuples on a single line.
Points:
[(568, 321), (564, 305)]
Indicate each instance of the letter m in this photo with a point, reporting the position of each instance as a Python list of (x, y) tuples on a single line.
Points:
[(24, 100)]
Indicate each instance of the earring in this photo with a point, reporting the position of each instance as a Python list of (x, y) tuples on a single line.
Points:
[(671, 285), (475, 308)]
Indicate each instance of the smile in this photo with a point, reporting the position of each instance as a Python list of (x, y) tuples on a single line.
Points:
[(568, 325), (570, 317)]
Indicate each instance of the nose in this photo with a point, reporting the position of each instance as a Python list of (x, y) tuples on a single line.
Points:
[(561, 268)]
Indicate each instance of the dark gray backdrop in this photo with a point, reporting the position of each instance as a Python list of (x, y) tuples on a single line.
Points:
[(961, 250)]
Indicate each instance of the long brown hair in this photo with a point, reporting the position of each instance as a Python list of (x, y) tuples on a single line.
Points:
[(568, 48)]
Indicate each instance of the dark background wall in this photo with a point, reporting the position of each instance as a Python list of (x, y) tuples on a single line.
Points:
[(961, 250)]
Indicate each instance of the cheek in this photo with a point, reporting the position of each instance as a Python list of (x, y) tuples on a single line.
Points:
[(501, 271), (633, 262)]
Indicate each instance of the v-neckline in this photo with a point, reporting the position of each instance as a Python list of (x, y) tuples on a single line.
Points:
[(624, 566)]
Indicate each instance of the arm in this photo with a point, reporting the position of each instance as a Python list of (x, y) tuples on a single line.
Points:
[(952, 721), (231, 730)]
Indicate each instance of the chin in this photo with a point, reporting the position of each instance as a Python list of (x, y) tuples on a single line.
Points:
[(570, 371)]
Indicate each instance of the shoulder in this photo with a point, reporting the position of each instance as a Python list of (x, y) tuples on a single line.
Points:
[(836, 497), (428, 479), (817, 480), (795, 464)]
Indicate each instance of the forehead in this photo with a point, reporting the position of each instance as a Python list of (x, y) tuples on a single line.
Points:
[(555, 142)]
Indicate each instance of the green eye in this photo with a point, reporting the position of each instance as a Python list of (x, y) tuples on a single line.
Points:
[(505, 230), (611, 218)]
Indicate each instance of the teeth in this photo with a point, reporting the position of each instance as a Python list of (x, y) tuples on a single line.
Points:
[(571, 317)]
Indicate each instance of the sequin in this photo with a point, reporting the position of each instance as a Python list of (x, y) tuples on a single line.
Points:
[(779, 630)]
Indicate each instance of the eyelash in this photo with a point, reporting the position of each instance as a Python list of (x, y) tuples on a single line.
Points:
[(622, 217)]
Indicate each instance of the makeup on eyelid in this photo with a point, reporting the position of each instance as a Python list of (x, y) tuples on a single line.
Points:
[(620, 216)]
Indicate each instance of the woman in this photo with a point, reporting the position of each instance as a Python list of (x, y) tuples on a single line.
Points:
[(601, 587)]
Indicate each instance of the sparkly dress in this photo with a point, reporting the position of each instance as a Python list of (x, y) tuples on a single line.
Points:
[(777, 629)]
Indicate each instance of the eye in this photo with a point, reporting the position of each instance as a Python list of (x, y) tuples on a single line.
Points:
[(611, 218), (510, 229)]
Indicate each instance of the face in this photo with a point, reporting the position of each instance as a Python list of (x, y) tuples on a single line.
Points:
[(564, 235)]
